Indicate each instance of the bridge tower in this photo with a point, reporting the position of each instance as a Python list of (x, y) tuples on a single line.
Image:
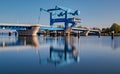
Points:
[(62, 14)]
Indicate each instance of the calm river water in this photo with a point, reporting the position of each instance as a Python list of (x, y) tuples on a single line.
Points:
[(59, 55)]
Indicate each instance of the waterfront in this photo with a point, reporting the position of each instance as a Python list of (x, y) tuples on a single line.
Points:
[(59, 55)]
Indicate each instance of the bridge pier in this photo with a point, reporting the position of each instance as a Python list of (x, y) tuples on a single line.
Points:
[(68, 31), (30, 32), (87, 32), (78, 34), (15, 33), (99, 34), (9, 33)]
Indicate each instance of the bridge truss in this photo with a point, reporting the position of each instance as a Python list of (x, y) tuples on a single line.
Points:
[(62, 14)]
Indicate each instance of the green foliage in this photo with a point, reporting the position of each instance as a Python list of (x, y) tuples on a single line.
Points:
[(115, 27), (106, 30)]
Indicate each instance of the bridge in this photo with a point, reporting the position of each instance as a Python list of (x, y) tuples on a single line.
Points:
[(68, 16), (86, 31), (22, 29), (63, 15), (32, 29), (60, 14)]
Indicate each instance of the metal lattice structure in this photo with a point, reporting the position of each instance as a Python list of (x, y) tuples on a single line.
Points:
[(62, 13)]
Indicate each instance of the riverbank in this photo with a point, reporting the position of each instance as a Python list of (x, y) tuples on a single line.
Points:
[(109, 34)]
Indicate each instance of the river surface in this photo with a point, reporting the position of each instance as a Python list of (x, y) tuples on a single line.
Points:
[(59, 55)]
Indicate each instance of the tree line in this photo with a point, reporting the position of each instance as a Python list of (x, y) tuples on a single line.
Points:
[(115, 27), (107, 31)]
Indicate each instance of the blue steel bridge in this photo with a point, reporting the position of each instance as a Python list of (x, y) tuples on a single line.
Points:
[(63, 16), (27, 27), (15, 26), (24, 27)]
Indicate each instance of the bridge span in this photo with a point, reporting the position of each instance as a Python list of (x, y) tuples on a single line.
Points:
[(32, 29), (22, 29)]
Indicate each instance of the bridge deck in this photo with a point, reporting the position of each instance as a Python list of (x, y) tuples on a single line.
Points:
[(42, 27), (6, 24)]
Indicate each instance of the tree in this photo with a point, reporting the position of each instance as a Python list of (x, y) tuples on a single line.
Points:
[(115, 27), (106, 30)]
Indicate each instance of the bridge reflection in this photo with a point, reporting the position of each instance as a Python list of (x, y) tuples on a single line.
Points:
[(29, 40), (20, 41), (62, 56)]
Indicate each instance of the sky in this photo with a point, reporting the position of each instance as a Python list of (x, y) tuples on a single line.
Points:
[(93, 13)]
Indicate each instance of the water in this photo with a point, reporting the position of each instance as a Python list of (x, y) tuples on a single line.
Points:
[(59, 55)]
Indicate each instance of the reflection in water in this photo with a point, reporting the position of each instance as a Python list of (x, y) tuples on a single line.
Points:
[(115, 43), (29, 40), (62, 56), (57, 55), (20, 41), (97, 57)]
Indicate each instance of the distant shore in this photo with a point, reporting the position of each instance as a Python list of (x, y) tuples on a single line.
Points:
[(109, 34)]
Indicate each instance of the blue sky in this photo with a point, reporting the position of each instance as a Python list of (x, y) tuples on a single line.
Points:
[(94, 13)]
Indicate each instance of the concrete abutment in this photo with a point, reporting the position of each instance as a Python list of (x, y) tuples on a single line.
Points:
[(30, 32)]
